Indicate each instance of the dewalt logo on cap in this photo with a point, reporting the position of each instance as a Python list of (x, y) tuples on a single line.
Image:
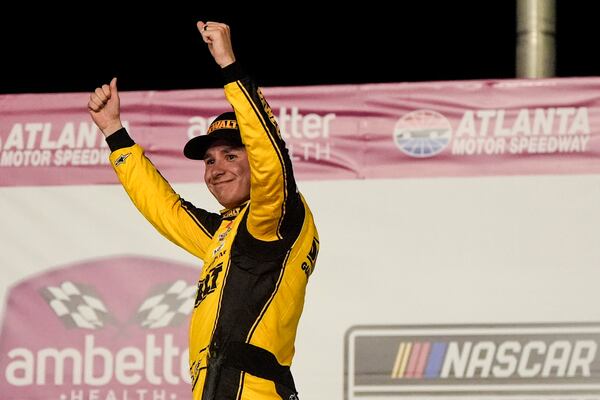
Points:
[(222, 124)]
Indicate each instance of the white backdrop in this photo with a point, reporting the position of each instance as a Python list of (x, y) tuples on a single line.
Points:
[(393, 252)]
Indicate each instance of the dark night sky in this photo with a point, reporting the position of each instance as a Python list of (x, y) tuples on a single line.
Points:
[(159, 48)]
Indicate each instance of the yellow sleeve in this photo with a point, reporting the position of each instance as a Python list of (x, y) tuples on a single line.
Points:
[(274, 201), (178, 220)]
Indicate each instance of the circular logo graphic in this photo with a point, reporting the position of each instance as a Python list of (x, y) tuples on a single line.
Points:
[(422, 133)]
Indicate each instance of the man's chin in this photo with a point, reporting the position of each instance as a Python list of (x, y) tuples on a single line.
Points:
[(226, 201)]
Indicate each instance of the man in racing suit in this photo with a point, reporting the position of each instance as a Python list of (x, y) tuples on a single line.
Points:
[(258, 253)]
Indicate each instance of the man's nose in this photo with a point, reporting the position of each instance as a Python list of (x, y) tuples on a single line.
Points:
[(217, 168)]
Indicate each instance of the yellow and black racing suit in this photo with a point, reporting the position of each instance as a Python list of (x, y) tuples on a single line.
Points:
[(257, 257)]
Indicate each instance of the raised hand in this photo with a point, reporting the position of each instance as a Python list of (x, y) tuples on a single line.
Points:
[(104, 108), (218, 38)]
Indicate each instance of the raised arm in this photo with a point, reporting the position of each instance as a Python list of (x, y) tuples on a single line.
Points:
[(275, 205), (179, 221)]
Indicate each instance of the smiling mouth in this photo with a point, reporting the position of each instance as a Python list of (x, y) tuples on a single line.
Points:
[(221, 183)]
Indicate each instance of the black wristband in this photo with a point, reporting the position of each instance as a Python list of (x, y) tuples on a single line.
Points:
[(119, 140), (233, 72)]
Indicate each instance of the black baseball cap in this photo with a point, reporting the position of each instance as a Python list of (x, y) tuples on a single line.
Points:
[(224, 127)]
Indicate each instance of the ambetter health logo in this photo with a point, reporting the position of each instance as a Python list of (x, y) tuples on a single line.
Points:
[(110, 329)]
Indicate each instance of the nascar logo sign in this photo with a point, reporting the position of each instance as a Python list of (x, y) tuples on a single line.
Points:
[(536, 360)]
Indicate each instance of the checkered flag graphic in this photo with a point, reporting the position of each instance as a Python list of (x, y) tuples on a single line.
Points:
[(77, 305), (168, 305)]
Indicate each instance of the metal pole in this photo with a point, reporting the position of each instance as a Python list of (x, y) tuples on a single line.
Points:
[(536, 47)]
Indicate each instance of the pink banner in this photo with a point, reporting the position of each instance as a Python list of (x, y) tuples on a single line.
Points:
[(460, 128), (97, 330)]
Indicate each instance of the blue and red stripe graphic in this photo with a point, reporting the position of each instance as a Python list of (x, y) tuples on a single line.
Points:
[(418, 360)]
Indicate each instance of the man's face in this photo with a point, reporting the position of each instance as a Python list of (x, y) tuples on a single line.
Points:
[(227, 174)]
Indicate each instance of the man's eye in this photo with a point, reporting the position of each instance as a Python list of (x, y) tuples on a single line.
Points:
[(231, 157), (209, 162)]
